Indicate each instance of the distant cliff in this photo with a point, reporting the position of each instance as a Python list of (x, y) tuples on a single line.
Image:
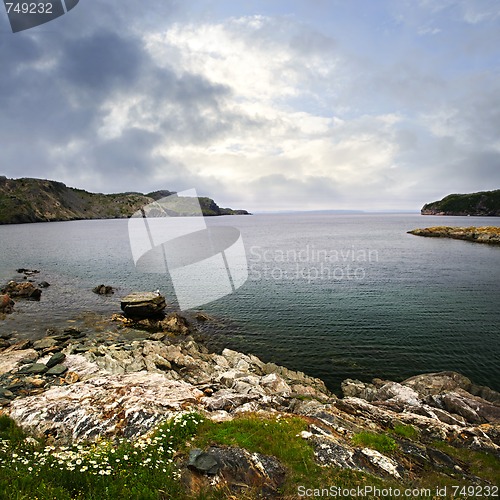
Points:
[(37, 200), (482, 203)]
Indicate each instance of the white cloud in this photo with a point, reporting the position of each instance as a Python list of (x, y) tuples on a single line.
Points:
[(264, 111)]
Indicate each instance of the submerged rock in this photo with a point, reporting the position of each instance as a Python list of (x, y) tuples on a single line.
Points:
[(6, 304)]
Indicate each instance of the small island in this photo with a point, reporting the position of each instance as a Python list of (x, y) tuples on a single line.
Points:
[(484, 203), (485, 234)]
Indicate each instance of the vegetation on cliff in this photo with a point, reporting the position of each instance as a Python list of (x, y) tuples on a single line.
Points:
[(485, 234), (482, 203), (37, 200)]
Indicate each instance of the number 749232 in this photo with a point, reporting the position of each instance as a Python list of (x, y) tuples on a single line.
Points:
[(29, 8)]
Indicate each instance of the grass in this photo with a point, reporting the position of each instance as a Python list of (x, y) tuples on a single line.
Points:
[(481, 464), (279, 436), (406, 431), (147, 468), (379, 442), (135, 470)]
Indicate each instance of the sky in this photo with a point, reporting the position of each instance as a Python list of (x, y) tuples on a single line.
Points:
[(262, 105)]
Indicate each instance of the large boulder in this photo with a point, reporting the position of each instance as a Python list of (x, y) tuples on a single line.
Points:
[(143, 304), (114, 405), (236, 470), (430, 384)]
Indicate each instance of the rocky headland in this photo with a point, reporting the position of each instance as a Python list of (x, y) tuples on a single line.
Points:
[(484, 203), (78, 386), (37, 200), (486, 234)]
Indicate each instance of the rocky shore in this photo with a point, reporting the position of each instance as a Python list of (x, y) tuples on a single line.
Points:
[(74, 386), (143, 366), (486, 234)]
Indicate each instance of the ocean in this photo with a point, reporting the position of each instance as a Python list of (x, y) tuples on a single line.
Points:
[(334, 295)]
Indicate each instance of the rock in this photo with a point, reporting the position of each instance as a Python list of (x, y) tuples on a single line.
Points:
[(473, 409), (33, 368), (55, 359), (35, 382), (384, 464), (4, 344), (74, 333), (71, 378), (22, 290), (9, 360), (57, 370), (88, 410), (143, 304), (430, 384), (157, 336), (28, 272), (226, 399), (175, 323), (237, 471), (273, 383), (6, 336), (202, 317), (18, 346), (485, 393), (103, 290), (392, 391), (205, 463), (44, 284), (6, 393), (6, 304), (358, 389), (45, 343)]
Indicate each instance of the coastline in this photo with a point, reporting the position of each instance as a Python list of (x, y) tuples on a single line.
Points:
[(77, 386)]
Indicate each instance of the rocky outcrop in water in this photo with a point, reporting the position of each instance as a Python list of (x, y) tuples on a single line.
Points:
[(26, 290), (486, 234), (103, 290), (143, 305)]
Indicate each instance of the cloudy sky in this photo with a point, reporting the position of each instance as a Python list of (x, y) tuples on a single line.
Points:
[(264, 105)]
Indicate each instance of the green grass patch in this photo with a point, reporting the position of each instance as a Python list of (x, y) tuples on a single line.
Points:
[(141, 469), (280, 437), (479, 463), (406, 431), (270, 436), (380, 442)]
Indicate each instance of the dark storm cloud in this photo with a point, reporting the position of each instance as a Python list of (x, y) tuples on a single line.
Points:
[(101, 63), (57, 88)]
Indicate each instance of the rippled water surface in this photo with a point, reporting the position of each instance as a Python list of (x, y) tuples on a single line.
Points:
[(335, 296)]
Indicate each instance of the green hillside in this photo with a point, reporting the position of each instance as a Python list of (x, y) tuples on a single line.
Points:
[(37, 200), (485, 203)]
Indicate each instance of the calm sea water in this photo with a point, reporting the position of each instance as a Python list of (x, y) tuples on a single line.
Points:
[(335, 296)]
